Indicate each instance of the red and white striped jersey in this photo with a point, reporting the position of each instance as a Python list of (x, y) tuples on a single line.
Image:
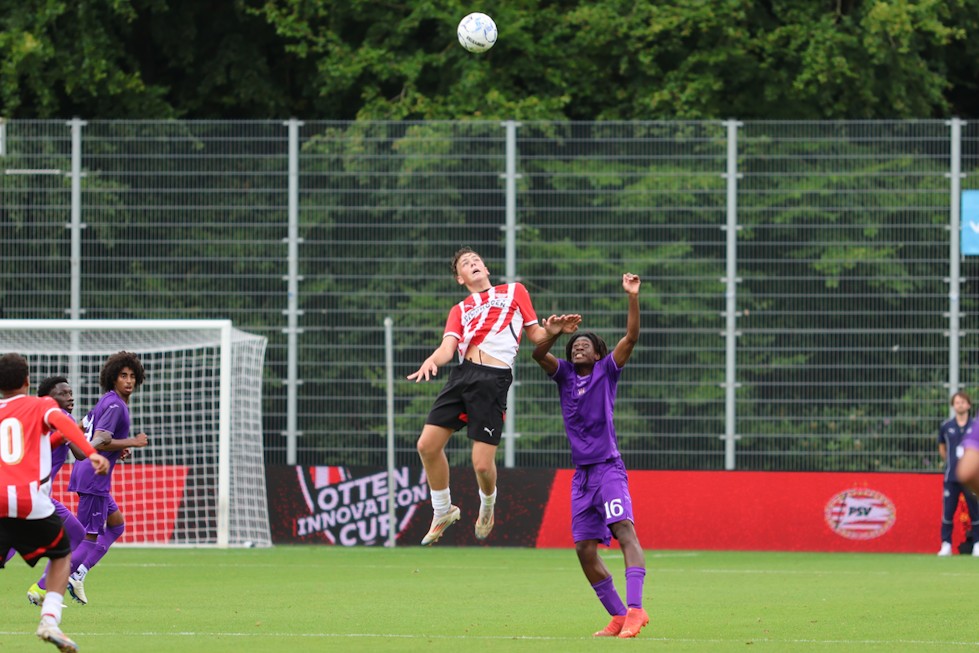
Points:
[(493, 321), (25, 457)]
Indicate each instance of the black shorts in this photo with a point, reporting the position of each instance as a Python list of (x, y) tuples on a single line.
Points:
[(475, 395), (34, 539)]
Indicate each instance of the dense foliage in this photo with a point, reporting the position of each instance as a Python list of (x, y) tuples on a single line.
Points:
[(571, 59)]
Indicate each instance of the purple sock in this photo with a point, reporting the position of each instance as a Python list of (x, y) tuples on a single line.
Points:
[(80, 553), (102, 545), (11, 552), (634, 577), (605, 589)]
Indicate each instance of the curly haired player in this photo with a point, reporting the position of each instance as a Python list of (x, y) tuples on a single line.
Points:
[(601, 506), (107, 427)]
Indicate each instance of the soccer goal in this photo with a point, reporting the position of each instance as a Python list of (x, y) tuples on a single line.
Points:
[(201, 480)]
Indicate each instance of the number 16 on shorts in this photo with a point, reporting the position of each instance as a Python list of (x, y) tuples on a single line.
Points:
[(613, 509)]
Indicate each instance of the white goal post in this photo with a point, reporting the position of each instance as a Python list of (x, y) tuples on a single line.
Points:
[(201, 479)]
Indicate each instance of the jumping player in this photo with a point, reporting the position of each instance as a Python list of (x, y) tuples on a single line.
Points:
[(601, 506), (27, 519), (484, 329)]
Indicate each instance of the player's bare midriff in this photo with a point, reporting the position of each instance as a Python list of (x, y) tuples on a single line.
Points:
[(476, 355)]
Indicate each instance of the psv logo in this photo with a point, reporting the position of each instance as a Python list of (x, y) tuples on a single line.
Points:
[(860, 514)]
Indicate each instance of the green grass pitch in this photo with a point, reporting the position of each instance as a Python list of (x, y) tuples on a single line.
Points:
[(298, 599)]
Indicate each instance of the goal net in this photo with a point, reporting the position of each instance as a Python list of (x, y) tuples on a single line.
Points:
[(201, 479)]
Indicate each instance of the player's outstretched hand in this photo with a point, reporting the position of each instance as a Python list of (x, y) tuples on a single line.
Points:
[(571, 323), (425, 372), (140, 440), (557, 324), (631, 283), (551, 325), (99, 463)]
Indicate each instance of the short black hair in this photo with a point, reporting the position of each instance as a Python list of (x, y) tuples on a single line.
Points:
[(14, 371), (113, 366), (600, 347), (45, 387)]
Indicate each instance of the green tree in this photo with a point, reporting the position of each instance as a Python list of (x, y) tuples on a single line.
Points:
[(578, 60), (612, 59)]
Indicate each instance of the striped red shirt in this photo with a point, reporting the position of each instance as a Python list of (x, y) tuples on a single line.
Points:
[(493, 321), (25, 457)]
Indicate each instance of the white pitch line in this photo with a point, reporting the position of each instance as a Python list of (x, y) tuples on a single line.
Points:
[(803, 572), (685, 640)]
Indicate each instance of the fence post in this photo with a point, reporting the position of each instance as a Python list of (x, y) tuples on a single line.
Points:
[(389, 375), (954, 255), (75, 301), (76, 226), (510, 228), (292, 303), (731, 281)]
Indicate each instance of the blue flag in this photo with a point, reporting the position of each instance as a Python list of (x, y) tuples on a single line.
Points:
[(969, 240)]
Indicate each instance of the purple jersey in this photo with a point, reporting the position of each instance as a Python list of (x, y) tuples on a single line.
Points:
[(588, 405), (111, 415), (971, 438), (59, 454)]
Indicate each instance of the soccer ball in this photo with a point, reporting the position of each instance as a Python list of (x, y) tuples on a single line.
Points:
[(477, 32)]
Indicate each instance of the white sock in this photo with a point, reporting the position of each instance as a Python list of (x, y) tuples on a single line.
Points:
[(487, 500), (80, 573), (441, 501), (51, 608)]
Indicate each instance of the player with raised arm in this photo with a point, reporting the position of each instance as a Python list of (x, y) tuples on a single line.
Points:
[(58, 388), (107, 427), (601, 506), (27, 520), (484, 330)]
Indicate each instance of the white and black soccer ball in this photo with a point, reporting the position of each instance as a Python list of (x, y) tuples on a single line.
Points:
[(477, 32)]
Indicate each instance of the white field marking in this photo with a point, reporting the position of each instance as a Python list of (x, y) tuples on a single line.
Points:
[(685, 640), (803, 572), (421, 565), (412, 565), (678, 554)]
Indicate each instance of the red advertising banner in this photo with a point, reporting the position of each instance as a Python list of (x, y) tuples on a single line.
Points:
[(150, 496), (771, 511), (761, 511)]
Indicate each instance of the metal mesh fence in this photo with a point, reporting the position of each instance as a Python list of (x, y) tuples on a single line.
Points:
[(844, 252), (35, 201), (843, 269), (601, 199)]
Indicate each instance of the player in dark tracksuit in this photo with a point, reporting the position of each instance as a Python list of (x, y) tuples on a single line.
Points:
[(950, 437)]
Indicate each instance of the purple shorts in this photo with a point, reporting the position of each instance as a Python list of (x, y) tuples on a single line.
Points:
[(599, 497), (93, 510)]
